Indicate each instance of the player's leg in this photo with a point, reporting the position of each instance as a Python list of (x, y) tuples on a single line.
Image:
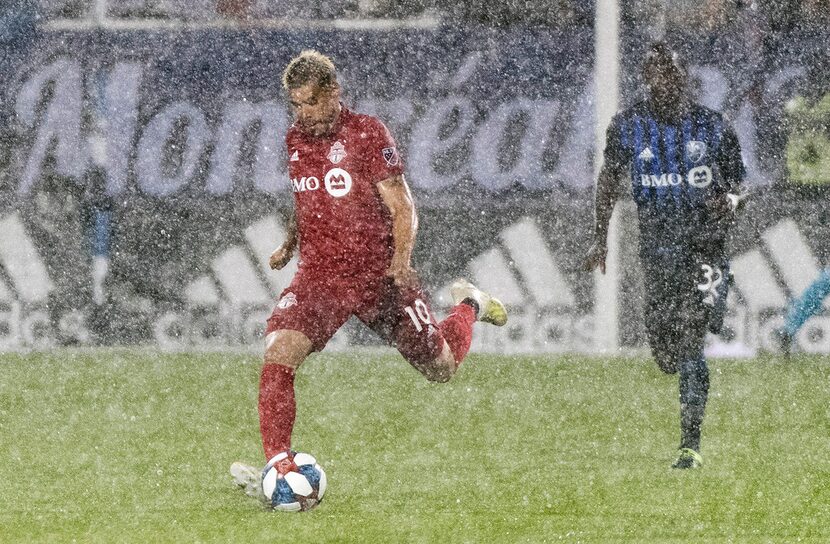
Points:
[(718, 311), (471, 305), (668, 348), (285, 351), (455, 334), (694, 394), (659, 304), (694, 318), (434, 349), (673, 348), (307, 315)]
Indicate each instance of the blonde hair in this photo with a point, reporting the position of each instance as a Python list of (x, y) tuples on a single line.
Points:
[(309, 66)]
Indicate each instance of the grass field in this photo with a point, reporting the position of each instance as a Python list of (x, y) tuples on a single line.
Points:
[(129, 446)]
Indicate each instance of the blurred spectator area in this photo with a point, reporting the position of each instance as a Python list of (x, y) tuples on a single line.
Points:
[(709, 14), (17, 20), (555, 13), (775, 15), (206, 10)]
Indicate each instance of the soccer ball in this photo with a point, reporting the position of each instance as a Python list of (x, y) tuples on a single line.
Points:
[(293, 482)]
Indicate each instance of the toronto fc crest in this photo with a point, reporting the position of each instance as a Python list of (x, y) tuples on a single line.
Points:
[(337, 152)]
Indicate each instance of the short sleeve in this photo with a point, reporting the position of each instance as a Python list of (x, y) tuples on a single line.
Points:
[(292, 153), (730, 162), (383, 160), (614, 154)]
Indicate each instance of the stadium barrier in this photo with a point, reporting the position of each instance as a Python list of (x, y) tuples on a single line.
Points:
[(176, 138)]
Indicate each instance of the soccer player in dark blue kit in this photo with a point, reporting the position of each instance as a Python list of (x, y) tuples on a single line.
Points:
[(685, 170)]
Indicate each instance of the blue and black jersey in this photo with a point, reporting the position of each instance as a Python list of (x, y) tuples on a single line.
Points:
[(676, 165)]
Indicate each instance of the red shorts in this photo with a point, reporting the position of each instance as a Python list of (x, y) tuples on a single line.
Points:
[(317, 305)]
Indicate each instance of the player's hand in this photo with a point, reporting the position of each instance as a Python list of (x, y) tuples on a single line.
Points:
[(737, 201), (595, 257), (403, 274), (720, 207), (280, 257)]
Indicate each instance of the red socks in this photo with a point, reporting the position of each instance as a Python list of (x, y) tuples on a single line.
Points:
[(277, 408), (457, 330)]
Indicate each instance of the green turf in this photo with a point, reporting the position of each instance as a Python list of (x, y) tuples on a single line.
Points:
[(134, 447)]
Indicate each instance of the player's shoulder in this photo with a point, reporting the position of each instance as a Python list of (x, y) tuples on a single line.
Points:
[(368, 125), (638, 109), (292, 135), (704, 112), (714, 118)]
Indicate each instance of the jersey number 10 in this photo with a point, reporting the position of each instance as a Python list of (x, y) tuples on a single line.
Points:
[(419, 315)]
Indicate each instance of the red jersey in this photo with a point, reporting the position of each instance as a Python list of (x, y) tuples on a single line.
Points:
[(343, 224)]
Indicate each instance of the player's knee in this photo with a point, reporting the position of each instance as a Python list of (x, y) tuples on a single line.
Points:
[(666, 361), (441, 369), (286, 348), (275, 357), (693, 390), (438, 374)]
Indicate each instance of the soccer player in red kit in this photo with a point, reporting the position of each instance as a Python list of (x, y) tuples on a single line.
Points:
[(355, 225)]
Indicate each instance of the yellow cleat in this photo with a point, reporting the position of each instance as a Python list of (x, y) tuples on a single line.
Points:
[(490, 310)]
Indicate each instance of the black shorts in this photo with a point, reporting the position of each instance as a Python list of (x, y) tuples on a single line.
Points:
[(685, 296)]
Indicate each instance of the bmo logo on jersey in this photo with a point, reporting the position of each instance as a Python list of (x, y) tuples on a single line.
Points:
[(338, 182), (698, 177), (662, 180), (304, 184)]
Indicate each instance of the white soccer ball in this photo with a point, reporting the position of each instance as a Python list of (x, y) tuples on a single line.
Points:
[(293, 482)]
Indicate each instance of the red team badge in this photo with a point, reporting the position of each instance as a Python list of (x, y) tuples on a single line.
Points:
[(337, 152)]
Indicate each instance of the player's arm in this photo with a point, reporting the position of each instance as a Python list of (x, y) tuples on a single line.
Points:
[(395, 194), (284, 253), (729, 196), (607, 192)]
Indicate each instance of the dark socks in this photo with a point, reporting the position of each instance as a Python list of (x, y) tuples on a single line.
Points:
[(694, 392), (471, 303), (691, 419)]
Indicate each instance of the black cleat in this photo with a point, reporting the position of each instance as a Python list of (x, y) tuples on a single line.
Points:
[(688, 458)]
